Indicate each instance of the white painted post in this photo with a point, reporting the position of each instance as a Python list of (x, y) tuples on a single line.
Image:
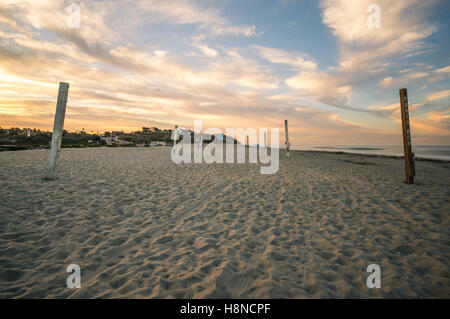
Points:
[(287, 137), (265, 139), (58, 128), (176, 135)]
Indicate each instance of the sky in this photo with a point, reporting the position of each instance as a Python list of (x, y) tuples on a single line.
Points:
[(333, 68)]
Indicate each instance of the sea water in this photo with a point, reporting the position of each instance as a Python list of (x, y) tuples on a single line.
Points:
[(423, 151)]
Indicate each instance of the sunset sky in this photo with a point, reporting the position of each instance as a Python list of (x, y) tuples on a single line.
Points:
[(244, 63)]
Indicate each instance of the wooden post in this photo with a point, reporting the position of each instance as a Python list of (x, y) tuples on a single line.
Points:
[(287, 137), (58, 128), (409, 155), (265, 139), (175, 138), (246, 138)]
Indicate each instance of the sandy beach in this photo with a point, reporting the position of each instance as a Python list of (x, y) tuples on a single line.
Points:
[(141, 226)]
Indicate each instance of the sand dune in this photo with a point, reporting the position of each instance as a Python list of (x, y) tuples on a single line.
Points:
[(141, 226)]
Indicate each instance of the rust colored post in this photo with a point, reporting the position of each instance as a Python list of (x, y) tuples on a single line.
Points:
[(409, 155)]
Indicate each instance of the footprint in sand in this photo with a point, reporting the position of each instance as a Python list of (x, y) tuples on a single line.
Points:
[(164, 240), (405, 250), (11, 275), (277, 257), (326, 255)]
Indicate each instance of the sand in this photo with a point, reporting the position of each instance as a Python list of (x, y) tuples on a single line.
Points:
[(141, 226)]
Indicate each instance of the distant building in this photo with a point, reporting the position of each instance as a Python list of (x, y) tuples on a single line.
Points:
[(110, 140), (150, 129), (122, 142), (157, 143)]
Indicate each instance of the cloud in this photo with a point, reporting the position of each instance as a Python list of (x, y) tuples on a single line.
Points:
[(427, 120), (322, 87), (434, 123), (412, 75), (402, 21), (403, 29), (295, 60), (445, 70), (403, 80), (438, 95), (433, 102), (308, 81), (191, 12), (207, 51)]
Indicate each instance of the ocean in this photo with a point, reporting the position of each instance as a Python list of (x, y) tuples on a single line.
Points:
[(424, 151)]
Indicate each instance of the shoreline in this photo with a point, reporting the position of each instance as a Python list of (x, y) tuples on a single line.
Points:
[(421, 159)]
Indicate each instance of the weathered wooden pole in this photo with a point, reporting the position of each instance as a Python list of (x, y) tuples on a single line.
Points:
[(175, 137), (58, 128), (409, 155), (265, 139), (287, 137), (246, 138)]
